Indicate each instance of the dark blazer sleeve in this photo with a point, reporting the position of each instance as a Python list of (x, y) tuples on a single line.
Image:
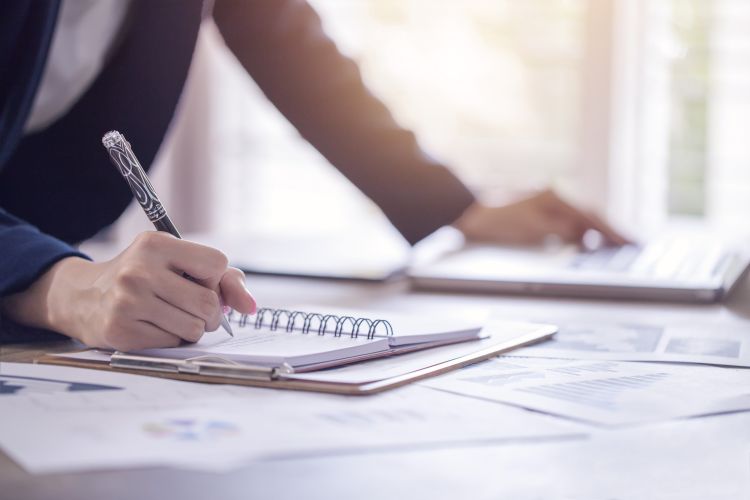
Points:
[(282, 45), (25, 254)]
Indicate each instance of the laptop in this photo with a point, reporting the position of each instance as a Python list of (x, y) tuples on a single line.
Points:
[(675, 268)]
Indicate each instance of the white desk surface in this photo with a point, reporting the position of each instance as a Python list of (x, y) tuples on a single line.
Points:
[(691, 459)]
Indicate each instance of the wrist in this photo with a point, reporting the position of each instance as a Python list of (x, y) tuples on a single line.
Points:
[(64, 286), (467, 221), (48, 302)]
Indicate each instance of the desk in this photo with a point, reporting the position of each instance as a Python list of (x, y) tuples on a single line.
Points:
[(686, 460)]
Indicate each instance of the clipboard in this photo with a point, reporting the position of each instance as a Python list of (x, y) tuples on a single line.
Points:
[(217, 372)]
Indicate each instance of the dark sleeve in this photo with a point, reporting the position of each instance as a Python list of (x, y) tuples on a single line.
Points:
[(25, 254), (282, 45)]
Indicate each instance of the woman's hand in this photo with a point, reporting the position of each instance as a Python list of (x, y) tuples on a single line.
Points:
[(531, 221), (137, 300)]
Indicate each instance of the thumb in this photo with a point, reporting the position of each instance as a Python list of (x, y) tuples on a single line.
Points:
[(234, 293)]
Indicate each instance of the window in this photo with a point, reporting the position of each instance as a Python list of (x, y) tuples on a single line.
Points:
[(688, 56), (484, 91), (728, 148), (693, 92)]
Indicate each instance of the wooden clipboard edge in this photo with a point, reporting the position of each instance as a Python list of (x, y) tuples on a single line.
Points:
[(544, 332)]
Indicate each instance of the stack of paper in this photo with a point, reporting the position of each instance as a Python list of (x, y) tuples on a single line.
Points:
[(63, 419), (603, 392)]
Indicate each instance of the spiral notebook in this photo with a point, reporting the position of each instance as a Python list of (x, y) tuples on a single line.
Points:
[(340, 351), (294, 341)]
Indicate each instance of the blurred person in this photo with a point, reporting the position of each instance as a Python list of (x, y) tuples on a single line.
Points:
[(74, 69)]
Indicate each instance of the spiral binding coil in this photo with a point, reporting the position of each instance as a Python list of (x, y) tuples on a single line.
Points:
[(305, 322)]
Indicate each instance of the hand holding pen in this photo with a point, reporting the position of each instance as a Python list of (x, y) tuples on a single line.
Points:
[(141, 298), (179, 286)]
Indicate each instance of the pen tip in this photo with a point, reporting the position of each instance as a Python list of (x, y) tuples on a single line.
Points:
[(227, 327)]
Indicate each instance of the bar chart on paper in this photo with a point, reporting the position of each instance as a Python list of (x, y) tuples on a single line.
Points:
[(186, 429), (16, 385), (618, 339), (599, 393), (603, 392)]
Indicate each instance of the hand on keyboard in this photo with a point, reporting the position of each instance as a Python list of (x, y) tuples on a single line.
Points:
[(532, 221)]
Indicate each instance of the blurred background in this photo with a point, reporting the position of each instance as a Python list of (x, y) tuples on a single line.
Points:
[(635, 108)]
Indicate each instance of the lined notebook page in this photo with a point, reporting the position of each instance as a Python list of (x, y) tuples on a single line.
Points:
[(272, 345), (273, 348)]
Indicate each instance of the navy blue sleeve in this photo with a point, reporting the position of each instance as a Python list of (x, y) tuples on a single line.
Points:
[(25, 254), (283, 47)]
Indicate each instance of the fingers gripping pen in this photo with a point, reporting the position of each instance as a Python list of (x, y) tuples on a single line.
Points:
[(128, 165)]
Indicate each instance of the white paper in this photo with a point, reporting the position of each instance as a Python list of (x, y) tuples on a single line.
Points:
[(633, 339), (696, 459), (381, 369), (603, 392), (84, 419)]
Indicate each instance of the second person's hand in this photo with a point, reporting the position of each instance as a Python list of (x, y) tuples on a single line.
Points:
[(531, 221)]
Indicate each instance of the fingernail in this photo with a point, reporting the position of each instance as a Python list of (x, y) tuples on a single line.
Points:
[(226, 309)]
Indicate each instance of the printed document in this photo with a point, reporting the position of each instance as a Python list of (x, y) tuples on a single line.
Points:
[(603, 392), (57, 419)]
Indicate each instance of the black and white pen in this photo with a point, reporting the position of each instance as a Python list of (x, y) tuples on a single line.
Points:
[(128, 165)]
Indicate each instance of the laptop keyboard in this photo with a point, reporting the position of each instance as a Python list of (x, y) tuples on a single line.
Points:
[(606, 259), (671, 259)]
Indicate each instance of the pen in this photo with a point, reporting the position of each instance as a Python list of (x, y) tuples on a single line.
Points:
[(124, 159)]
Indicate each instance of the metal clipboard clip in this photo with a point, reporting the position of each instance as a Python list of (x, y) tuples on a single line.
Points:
[(208, 366)]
